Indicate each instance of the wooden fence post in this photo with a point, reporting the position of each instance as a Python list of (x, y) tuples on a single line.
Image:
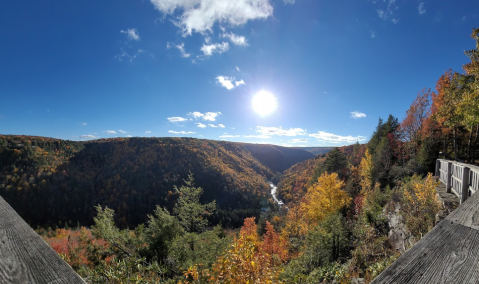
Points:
[(448, 180), (465, 184)]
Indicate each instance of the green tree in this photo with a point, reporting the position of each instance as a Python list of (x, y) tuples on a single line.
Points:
[(191, 214)]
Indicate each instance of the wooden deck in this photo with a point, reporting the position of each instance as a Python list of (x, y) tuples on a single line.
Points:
[(449, 253), (25, 257)]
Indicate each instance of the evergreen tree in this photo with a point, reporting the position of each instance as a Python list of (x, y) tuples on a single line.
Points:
[(192, 215)]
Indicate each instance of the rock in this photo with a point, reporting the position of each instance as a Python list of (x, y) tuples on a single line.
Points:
[(399, 237)]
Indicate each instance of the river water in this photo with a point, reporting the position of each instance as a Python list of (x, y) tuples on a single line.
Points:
[(273, 193)]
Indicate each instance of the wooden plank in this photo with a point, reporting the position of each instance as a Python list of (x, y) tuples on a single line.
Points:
[(25, 257), (447, 254), (467, 214)]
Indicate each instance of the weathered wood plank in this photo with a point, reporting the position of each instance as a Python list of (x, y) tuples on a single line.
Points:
[(467, 214), (25, 257), (447, 254)]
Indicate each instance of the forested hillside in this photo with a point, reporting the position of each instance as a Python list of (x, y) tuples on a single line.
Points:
[(50, 181), (277, 158)]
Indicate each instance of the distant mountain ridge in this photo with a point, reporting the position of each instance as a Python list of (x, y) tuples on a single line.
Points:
[(51, 181), (277, 158), (316, 150)]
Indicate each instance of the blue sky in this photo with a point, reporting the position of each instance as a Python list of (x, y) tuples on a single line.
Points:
[(84, 70)]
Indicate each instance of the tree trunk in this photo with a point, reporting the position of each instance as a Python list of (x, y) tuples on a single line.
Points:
[(475, 144), (455, 142), (469, 147)]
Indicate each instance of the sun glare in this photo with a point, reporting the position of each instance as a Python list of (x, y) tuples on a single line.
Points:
[(264, 103)]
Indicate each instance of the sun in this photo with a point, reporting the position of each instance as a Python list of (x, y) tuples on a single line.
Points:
[(264, 103)]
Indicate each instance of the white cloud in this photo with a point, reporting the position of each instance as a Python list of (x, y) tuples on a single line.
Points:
[(209, 49), (387, 11), (262, 136), (229, 136), (336, 139), (357, 114), (110, 131), (421, 9), (201, 15), (280, 131), (299, 140), (225, 82), (84, 123), (129, 136), (201, 125), (289, 1), (180, 47), (147, 132), (237, 68), (373, 33), (176, 119), (131, 33), (122, 131), (87, 136), (240, 82), (208, 116), (125, 55), (181, 132), (212, 125), (235, 39), (221, 125)]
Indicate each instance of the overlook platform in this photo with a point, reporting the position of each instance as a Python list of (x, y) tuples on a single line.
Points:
[(449, 253), (25, 257)]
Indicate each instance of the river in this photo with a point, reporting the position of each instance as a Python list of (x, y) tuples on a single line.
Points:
[(273, 193)]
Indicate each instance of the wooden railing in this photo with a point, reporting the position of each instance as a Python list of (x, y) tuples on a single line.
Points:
[(459, 178), (449, 253)]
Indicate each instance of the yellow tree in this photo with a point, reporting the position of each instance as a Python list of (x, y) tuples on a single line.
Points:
[(420, 204), (244, 262), (366, 172), (324, 198)]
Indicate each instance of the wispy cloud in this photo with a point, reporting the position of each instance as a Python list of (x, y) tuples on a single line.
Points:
[(330, 138), (147, 132), (201, 125), (88, 136), (129, 136), (180, 47), (229, 136), (372, 33), (131, 33), (127, 56), (208, 116), (221, 125), (122, 131), (237, 68), (212, 125), (299, 140), (357, 114), (280, 131), (181, 132), (289, 1), (201, 15), (235, 39), (209, 49), (110, 131), (387, 10), (421, 9), (176, 119), (84, 123), (261, 136)]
